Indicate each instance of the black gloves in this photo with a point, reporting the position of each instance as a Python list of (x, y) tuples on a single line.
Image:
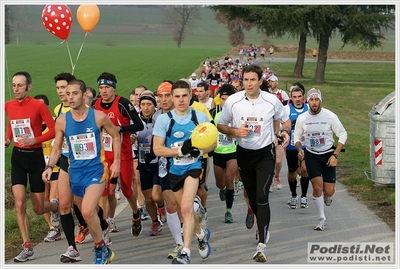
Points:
[(148, 157), (187, 148)]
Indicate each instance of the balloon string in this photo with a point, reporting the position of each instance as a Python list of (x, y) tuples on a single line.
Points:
[(79, 53), (70, 58)]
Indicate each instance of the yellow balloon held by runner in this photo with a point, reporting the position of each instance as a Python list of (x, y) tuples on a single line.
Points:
[(204, 135)]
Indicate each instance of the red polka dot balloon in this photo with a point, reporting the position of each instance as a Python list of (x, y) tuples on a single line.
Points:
[(58, 20)]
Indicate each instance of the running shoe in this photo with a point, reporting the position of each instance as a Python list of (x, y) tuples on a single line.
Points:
[(303, 202), (155, 228), (118, 194), (205, 186), (278, 182), (327, 200), (70, 256), (204, 246), (240, 184), (321, 225), (106, 237), (249, 218), (137, 227), (182, 258), (222, 194), (53, 235), (271, 188), (235, 188), (55, 216), (103, 255), (112, 227), (261, 253), (177, 250), (228, 217), (293, 202), (25, 255), (144, 213), (161, 214), (81, 236)]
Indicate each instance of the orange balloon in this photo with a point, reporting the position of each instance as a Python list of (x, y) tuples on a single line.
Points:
[(88, 16)]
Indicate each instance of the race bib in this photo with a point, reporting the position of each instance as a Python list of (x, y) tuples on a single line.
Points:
[(255, 124), (65, 147), (225, 140), (107, 141), (83, 146), (315, 140), (182, 160), (162, 167), (302, 139), (21, 128)]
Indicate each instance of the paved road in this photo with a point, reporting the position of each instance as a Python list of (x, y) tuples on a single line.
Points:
[(308, 60), (233, 244)]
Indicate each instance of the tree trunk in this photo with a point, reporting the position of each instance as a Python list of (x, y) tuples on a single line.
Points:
[(322, 58), (298, 68)]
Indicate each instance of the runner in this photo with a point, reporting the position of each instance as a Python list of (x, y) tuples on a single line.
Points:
[(185, 165), (318, 127), (123, 115), (25, 118), (253, 117), (88, 170)]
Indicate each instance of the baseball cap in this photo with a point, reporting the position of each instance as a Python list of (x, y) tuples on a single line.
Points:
[(164, 87), (194, 75), (273, 78), (226, 89)]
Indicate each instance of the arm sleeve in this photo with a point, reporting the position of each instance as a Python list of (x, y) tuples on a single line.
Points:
[(48, 119), (128, 110), (9, 132), (298, 130), (338, 129)]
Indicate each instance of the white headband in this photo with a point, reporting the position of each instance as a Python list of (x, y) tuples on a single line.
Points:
[(314, 93)]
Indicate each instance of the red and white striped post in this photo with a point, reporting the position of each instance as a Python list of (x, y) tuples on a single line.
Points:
[(378, 152)]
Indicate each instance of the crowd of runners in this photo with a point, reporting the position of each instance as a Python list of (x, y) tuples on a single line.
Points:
[(98, 145)]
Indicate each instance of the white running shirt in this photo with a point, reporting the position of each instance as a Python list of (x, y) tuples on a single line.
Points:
[(259, 114), (318, 131)]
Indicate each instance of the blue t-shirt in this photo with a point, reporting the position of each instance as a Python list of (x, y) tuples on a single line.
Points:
[(181, 131)]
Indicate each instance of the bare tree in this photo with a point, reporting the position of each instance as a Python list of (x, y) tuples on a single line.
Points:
[(17, 20), (179, 19)]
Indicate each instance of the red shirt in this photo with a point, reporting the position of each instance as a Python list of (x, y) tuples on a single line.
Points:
[(33, 111), (118, 119)]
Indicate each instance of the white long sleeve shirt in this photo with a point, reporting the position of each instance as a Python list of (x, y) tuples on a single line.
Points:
[(318, 131)]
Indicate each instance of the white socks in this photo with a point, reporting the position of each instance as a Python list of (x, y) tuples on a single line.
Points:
[(174, 225), (319, 205)]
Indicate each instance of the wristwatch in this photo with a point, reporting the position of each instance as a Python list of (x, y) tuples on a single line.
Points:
[(336, 155)]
